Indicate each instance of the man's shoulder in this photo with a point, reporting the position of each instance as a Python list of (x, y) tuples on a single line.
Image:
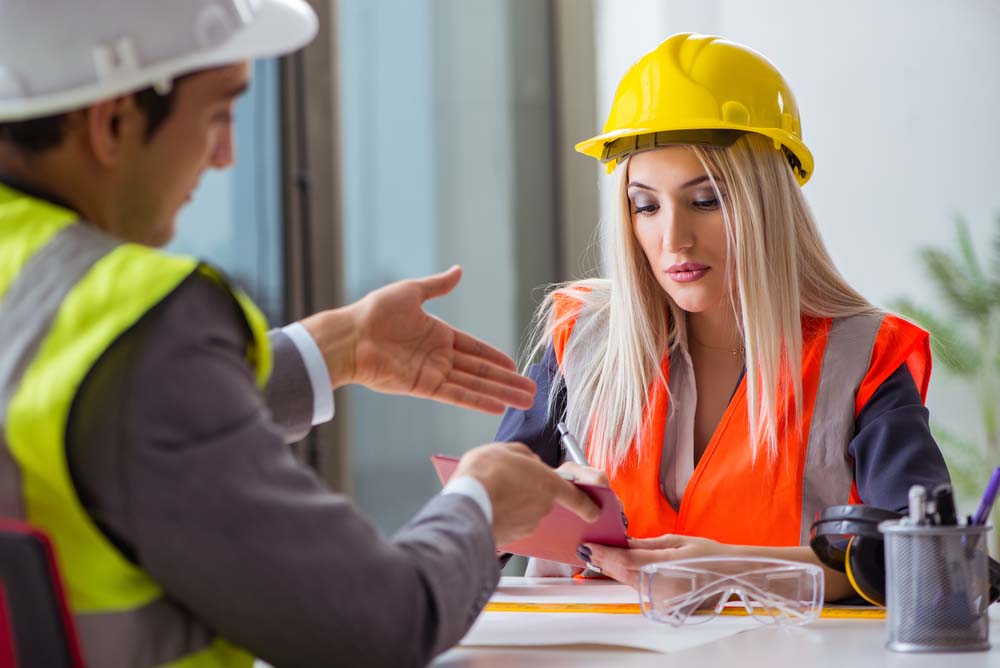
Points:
[(201, 309)]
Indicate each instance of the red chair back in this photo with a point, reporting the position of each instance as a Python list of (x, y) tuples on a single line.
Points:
[(36, 628)]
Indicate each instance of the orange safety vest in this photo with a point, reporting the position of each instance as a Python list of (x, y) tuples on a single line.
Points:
[(729, 498)]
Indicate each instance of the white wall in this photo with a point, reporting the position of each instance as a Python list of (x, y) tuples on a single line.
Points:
[(899, 102)]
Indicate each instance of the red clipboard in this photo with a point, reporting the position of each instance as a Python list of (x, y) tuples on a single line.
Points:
[(560, 532)]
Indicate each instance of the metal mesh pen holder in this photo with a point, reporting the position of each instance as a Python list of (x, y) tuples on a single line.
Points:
[(937, 590)]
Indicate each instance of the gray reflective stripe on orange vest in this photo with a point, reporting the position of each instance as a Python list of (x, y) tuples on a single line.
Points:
[(829, 471), (160, 632), (26, 314)]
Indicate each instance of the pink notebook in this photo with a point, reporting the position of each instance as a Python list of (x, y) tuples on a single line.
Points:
[(561, 532)]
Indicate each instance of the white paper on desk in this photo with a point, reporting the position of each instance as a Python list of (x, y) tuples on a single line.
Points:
[(563, 590), (540, 629)]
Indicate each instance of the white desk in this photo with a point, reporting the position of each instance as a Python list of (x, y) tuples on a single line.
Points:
[(828, 643)]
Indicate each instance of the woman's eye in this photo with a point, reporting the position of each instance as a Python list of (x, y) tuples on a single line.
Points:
[(645, 209), (706, 204)]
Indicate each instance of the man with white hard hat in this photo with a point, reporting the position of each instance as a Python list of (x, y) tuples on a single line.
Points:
[(144, 405)]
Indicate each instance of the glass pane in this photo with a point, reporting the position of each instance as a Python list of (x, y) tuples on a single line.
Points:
[(234, 218), (445, 148)]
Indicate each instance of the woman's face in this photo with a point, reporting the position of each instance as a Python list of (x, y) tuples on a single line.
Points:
[(678, 221)]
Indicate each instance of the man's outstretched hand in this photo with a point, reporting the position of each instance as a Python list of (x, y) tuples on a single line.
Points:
[(388, 343)]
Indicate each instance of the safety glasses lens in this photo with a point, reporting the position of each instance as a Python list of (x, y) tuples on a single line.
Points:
[(694, 591)]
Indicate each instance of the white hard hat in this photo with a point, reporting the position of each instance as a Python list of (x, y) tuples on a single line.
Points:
[(60, 55)]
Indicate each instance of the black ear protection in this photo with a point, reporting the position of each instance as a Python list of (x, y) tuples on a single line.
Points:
[(847, 539)]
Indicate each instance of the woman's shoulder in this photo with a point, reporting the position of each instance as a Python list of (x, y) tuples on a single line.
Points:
[(889, 330), (583, 298), (578, 306), (579, 296), (891, 342), (885, 323)]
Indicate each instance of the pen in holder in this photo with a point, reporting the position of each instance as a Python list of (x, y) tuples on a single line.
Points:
[(937, 587)]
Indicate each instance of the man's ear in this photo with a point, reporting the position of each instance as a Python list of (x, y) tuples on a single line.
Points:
[(112, 127)]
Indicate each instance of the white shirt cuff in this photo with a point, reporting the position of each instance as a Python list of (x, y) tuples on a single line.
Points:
[(468, 486), (319, 375)]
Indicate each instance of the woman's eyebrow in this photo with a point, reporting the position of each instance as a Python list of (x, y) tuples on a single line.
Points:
[(693, 182), (696, 181)]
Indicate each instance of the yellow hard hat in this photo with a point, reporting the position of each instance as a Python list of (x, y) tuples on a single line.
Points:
[(700, 89)]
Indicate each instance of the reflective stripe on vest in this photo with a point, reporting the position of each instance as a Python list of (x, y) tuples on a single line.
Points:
[(829, 471), (72, 296), (729, 497)]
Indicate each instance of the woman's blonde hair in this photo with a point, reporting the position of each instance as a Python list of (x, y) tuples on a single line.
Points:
[(781, 271)]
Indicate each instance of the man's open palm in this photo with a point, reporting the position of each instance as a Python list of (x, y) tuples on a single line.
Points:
[(400, 349)]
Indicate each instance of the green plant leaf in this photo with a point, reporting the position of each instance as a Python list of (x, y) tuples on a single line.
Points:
[(966, 296), (948, 345), (968, 251), (995, 258), (965, 458)]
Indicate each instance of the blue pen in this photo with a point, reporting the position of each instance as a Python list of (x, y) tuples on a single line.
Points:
[(989, 498)]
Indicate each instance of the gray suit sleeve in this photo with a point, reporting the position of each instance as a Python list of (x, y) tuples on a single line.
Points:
[(289, 393), (176, 457)]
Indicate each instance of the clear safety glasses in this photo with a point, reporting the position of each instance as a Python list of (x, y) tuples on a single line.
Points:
[(694, 591)]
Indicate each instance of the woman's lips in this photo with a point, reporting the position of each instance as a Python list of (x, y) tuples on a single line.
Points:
[(687, 272)]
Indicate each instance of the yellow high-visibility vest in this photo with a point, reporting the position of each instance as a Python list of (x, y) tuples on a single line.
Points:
[(67, 293)]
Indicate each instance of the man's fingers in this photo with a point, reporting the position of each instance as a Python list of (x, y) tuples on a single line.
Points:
[(439, 284), (477, 366), (576, 500), (453, 394), (476, 385), (470, 345), (585, 474), (519, 448)]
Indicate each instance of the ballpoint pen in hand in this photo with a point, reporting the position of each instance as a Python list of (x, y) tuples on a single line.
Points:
[(572, 448), (570, 445), (989, 498)]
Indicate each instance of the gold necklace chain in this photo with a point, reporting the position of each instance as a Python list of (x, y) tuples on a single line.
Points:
[(732, 351)]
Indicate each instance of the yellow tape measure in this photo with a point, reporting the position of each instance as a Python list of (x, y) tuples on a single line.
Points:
[(829, 612), (606, 608)]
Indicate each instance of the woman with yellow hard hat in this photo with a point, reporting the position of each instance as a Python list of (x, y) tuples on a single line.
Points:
[(724, 376)]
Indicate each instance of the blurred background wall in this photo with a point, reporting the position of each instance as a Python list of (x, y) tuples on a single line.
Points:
[(443, 131)]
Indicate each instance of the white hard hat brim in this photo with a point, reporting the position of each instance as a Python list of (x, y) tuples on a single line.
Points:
[(278, 28)]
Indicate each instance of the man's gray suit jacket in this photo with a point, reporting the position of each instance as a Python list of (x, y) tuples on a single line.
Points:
[(183, 464)]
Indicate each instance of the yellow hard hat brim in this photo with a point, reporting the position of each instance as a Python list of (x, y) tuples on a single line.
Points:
[(594, 147)]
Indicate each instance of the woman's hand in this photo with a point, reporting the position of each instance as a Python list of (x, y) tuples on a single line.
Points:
[(623, 564), (584, 474)]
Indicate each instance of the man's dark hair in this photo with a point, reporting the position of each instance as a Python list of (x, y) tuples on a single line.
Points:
[(37, 135)]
